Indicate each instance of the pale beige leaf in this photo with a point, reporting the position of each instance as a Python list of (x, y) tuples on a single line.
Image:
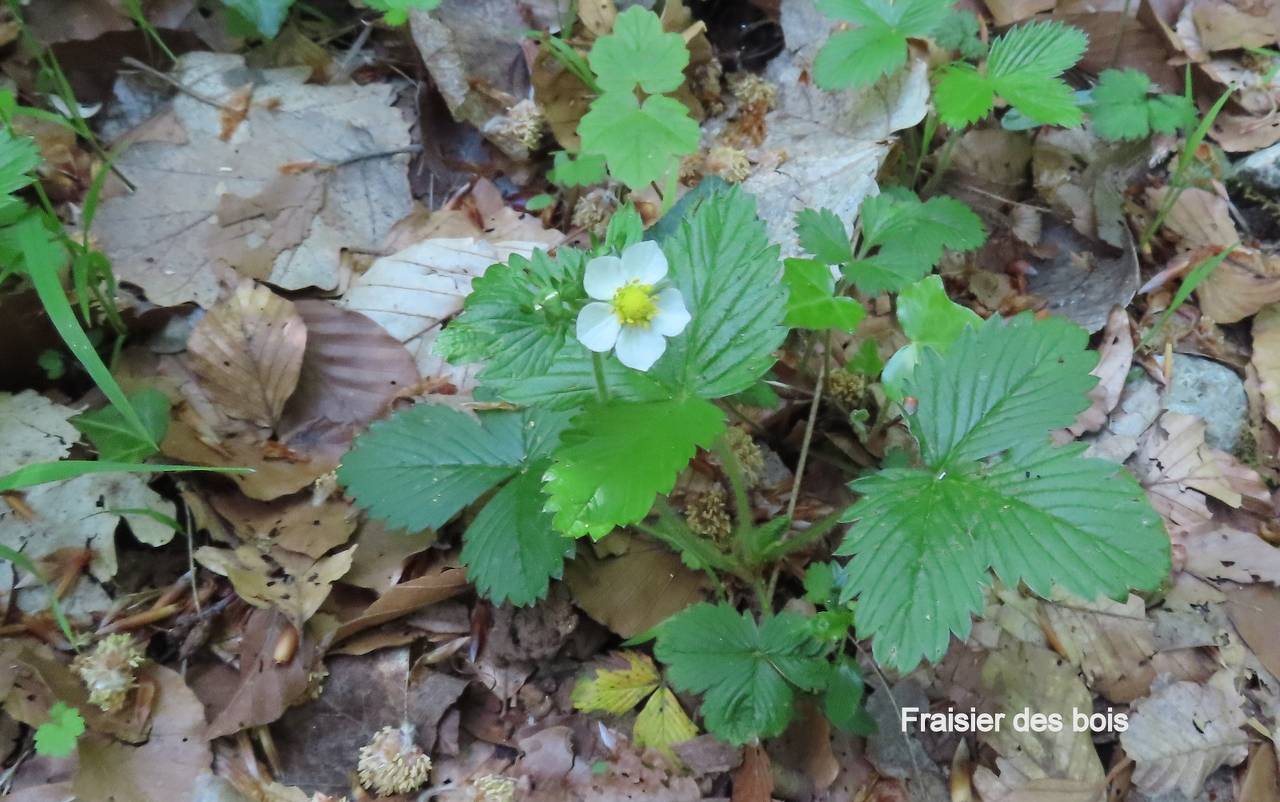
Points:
[(1111, 642), (75, 514), (164, 769), (1231, 554), (1198, 218), (1115, 358), (247, 352), (1182, 732), (295, 523), (1011, 785), (1223, 26), (1242, 285), (1007, 12), (1254, 610), (33, 429), (1022, 676), (412, 292), (293, 584), (636, 590), (1266, 359)]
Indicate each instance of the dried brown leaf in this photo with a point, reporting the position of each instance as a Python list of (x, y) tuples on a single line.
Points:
[(1116, 357), (1266, 359), (247, 352), (1111, 642), (1181, 733), (352, 368), (294, 584), (33, 429), (1254, 610), (1231, 554), (295, 523), (406, 597), (634, 591)]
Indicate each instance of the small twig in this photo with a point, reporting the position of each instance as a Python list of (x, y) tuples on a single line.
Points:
[(140, 620), (346, 66), (376, 155), (808, 429), (176, 84)]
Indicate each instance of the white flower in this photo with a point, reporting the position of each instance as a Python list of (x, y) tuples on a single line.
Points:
[(631, 312)]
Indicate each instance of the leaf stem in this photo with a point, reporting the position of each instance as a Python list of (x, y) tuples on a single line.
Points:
[(597, 367), (741, 504), (809, 426)]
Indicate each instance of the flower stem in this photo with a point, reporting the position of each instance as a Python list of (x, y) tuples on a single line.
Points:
[(597, 365)]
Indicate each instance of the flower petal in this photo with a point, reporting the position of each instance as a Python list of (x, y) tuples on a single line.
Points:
[(644, 262), (604, 276), (598, 327), (639, 348), (672, 315)]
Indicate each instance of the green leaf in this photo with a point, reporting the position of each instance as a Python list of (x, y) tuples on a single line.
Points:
[(38, 473), (396, 12), (115, 439), (512, 550), (539, 202), (615, 458), (641, 143), (638, 53), (57, 737), (580, 172), (747, 672), (266, 16), (19, 158), (1122, 108), (904, 238), (993, 494), (822, 234), (811, 302), (422, 466), (1023, 67), (1020, 379), (626, 228), (960, 31), (878, 46), (517, 318), (726, 270), (930, 320), (842, 699)]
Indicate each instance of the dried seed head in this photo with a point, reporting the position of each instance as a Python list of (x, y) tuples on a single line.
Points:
[(850, 389), (753, 91), (391, 763), (527, 123), (110, 670), (494, 788), (593, 210), (750, 457), (708, 514), (729, 163)]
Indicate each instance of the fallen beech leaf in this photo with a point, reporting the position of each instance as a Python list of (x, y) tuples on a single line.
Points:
[(293, 522), (412, 292), (1178, 470), (405, 598), (1266, 359), (352, 368), (1223, 26), (1243, 284), (382, 553), (1116, 356), (1231, 554), (1007, 12), (265, 688), (33, 429), (1023, 676), (164, 769), (1111, 642), (634, 591), (272, 477), (247, 353), (1180, 733), (1259, 783), (753, 780), (167, 237), (1254, 610), (291, 583)]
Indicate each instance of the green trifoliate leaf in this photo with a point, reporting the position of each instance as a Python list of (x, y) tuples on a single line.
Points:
[(57, 737), (1023, 67), (727, 272), (115, 439), (422, 466), (641, 142), (822, 234), (512, 550), (265, 16), (993, 494), (930, 320), (396, 12), (878, 46), (626, 228), (582, 171), (746, 672), (616, 458), (904, 238), (960, 32), (1123, 108), (638, 53), (811, 299)]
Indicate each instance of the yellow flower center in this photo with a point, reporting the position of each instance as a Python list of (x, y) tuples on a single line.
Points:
[(633, 304)]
